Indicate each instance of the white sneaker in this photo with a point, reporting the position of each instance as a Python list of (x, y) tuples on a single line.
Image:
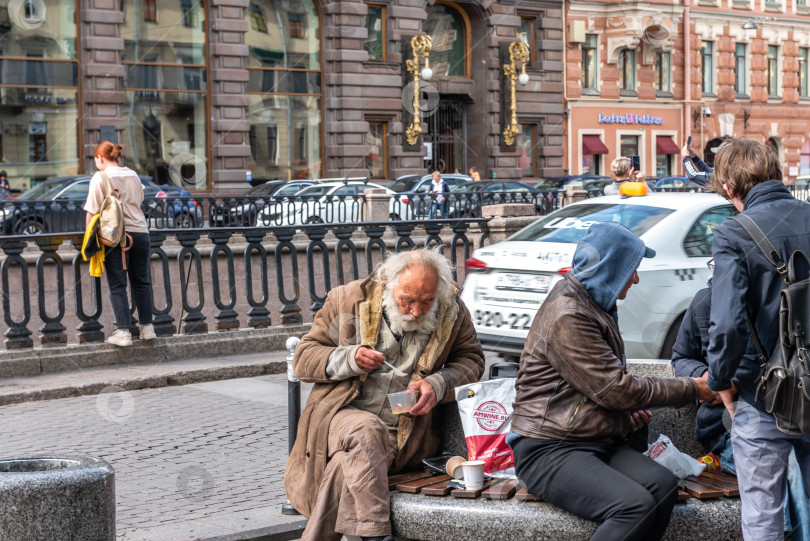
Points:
[(148, 332), (120, 338)]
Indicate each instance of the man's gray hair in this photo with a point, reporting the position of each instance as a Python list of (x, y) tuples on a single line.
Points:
[(427, 258)]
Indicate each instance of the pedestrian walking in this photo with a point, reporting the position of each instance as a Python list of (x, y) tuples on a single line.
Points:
[(129, 186)]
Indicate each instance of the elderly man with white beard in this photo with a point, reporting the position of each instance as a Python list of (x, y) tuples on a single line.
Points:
[(407, 313)]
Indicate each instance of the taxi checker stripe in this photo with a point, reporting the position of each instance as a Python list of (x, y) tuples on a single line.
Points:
[(685, 274)]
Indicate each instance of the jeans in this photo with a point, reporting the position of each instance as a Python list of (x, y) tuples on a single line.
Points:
[(762, 454), (139, 280), (629, 493)]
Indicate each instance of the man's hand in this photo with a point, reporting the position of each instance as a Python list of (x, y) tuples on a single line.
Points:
[(717, 400), (640, 418), (729, 397), (427, 397), (368, 359), (704, 394), (637, 176), (686, 152)]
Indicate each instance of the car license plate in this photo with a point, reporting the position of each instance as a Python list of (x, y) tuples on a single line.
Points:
[(523, 282), (505, 320)]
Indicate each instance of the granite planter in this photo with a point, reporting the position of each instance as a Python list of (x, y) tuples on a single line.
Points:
[(57, 497)]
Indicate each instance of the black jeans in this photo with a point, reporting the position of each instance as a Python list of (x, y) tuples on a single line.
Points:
[(139, 280), (610, 483)]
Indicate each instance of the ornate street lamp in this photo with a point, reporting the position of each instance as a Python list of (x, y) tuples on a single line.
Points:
[(421, 46), (518, 52)]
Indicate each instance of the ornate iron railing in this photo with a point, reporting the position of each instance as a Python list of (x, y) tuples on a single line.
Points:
[(262, 274)]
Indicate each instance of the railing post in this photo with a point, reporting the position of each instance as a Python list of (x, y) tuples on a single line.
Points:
[(226, 317), (18, 336), (293, 410), (90, 330), (194, 319), (258, 315), (162, 319), (53, 332)]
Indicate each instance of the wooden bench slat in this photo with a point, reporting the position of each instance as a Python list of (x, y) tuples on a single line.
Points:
[(698, 490), (725, 477), (683, 495), (413, 487), (502, 490), (439, 489), (523, 496), (470, 493), (728, 489), (394, 480)]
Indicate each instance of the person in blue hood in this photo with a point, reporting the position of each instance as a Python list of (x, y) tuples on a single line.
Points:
[(579, 417)]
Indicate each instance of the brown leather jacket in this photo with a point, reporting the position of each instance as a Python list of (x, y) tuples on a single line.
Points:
[(573, 382)]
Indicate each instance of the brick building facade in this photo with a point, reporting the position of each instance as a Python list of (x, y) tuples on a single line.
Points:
[(210, 94), (635, 84)]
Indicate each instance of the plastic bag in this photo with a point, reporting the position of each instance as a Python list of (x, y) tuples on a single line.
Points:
[(665, 453), (486, 416)]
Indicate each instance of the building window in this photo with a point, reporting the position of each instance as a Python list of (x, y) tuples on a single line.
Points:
[(707, 69), (740, 70), (375, 24), (39, 93), (284, 92), (803, 57), (627, 70), (526, 145), (377, 141), (773, 71), (187, 10), (149, 11), (448, 30), (257, 19), (297, 25), (663, 71), (166, 99), (629, 145), (590, 62), (526, 34)]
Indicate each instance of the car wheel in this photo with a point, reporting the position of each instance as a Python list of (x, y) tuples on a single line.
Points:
[(669, 341), (314, 220), (394, 216), (34, 227), (184, 220)]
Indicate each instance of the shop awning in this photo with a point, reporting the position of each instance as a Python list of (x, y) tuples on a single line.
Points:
[(665, 145), (591, 144)]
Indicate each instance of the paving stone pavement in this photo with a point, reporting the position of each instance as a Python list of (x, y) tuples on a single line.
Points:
[(196, 461)]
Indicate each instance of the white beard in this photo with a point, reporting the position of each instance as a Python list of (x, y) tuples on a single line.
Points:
[(401, 323)]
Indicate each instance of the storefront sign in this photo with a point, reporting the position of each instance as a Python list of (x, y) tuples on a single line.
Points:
[(629, 118)]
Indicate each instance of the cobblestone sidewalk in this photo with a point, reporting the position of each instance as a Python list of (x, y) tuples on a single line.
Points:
[(197, 461)]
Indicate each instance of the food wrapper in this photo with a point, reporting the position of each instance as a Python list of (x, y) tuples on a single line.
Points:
[(665, 453), (712, 462)]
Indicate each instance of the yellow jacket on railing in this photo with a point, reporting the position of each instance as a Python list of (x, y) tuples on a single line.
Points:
[(93, 249)]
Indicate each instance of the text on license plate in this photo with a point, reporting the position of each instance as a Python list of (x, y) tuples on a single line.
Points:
[(523, 282), (485, 318)]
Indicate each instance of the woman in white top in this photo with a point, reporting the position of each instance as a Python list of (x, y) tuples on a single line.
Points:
[(437, 186), (126, 181)]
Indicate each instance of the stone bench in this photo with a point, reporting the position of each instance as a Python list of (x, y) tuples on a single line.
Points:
[(429, 518)]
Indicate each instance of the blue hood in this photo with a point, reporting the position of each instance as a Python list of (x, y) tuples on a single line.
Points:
[(605, 260)]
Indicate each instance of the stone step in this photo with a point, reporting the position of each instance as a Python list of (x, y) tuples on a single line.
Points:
[(140, 375)]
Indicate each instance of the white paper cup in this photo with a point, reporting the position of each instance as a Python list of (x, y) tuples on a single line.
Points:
[(473, 473)]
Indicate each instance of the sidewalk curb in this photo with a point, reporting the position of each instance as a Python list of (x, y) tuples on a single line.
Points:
[(280, 532), (182, 377)]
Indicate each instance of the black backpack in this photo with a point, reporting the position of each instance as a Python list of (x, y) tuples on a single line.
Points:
[(784, 383)]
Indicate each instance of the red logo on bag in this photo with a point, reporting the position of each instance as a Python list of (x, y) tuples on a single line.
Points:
[(490, 416)]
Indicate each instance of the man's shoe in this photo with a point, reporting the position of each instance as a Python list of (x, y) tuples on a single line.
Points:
[(148, 332), (120, 338)]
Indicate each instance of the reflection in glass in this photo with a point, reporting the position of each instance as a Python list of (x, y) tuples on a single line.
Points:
[(525, 145), (445, 26), (283, 36), (162, 127), (30, 32), (374, 25), (663, 71), (526, 35), (376, 141), (590, 65), (629, 145), (285, 136), (627, 69), (175, 35)]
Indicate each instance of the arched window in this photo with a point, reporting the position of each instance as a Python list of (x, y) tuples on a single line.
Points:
[(448, 27), (39, 82), (284, 87), (166, 92)]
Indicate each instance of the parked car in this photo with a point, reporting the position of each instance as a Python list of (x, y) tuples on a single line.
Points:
[(555, 183), (466, 200), (673, 182), (56, 205), (243, 211), (507, 282), (326, 202)]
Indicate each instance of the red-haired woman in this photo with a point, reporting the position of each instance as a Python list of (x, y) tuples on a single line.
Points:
[(126, 181)]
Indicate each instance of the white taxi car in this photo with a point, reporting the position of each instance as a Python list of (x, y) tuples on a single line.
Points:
[(507, 282)]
